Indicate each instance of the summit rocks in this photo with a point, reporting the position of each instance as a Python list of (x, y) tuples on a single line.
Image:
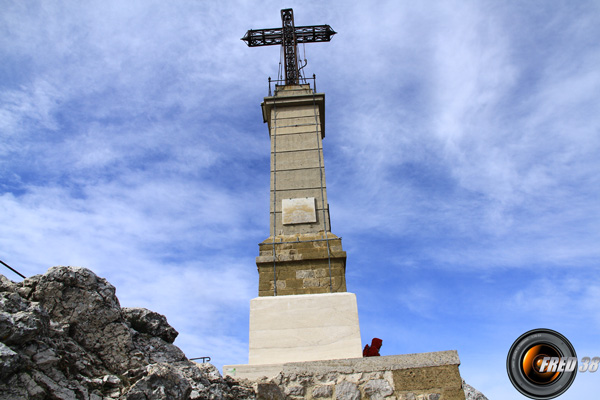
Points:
[(64, 335)]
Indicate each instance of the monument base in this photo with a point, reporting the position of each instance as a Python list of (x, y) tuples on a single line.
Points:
[(408, 376), (306, 264), (304, 328)]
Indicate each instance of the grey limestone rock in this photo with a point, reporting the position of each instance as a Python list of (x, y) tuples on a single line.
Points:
[(322, 391), (63, 335), (21, 386), (347, 391), (20, 320), (471, 393), (295, 391), (9, 361), (157, 350), (6, 285), (161, 382), (86, 305), (269, 391), (378, 389), (150, 322)]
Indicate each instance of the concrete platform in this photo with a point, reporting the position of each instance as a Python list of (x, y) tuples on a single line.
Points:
[(304, 328)]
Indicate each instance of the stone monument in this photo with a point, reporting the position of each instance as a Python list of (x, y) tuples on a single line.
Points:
[(303, 312), (303, 318)]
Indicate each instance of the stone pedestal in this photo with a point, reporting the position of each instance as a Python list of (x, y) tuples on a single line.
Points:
[(304, 328)]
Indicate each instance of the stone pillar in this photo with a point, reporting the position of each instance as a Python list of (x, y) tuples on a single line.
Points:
[(296, 121), (302, 253), (312, 317)]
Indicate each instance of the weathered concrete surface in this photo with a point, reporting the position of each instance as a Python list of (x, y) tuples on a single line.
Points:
[(304, 328)]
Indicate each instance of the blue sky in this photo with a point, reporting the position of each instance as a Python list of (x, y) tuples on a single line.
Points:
[(461, 158)]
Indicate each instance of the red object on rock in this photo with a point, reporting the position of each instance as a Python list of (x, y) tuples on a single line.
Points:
[(373, 350)]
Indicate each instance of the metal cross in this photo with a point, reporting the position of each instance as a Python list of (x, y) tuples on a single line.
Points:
[(289, 36)]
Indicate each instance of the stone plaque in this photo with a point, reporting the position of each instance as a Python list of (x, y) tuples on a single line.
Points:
[(298, 211)]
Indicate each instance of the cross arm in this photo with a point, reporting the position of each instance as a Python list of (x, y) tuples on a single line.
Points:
[(315, 33), (263, 37), (304, 34)]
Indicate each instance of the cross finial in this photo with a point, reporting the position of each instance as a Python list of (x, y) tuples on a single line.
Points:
[(289, 36)]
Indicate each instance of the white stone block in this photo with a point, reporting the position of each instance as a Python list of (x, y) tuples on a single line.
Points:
[(304, 328)]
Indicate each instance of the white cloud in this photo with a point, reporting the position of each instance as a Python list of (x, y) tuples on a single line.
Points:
[(566, 300), (460, 137)]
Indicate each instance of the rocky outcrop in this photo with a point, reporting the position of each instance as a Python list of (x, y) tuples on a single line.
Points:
[(471, 393), (63, 335)]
